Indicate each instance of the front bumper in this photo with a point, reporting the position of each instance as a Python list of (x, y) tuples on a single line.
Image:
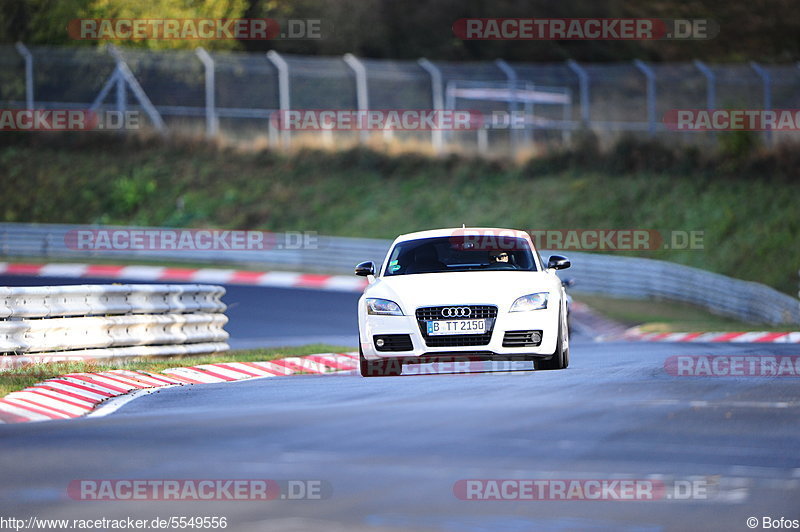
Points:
[(545, 320)]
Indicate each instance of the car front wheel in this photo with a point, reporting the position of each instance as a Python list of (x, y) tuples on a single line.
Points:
[(560, 358), (379, 368)]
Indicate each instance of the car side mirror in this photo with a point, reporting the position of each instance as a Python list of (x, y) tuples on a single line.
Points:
[(365, 268), (557, 262)]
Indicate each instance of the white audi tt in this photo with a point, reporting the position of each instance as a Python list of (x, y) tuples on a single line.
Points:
[(462, 294)]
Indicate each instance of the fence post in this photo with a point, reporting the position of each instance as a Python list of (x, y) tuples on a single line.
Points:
[(483, 141), (583, 88), (362, 95), (124, 76), (101, 96), (437, 99), (766, 81), (651, 94), (711, 87), (212, 121), (28, 57), (121, 96), (283, 91), (511, 75), (566, 117)]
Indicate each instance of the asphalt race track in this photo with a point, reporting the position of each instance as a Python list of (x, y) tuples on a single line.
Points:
[(390, 450)]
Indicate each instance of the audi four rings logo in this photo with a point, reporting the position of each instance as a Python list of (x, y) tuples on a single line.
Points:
[(456, 312)]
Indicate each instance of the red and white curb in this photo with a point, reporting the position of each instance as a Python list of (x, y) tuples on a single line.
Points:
[(734, 337), (78, 394), (344, 283), (605, 330)]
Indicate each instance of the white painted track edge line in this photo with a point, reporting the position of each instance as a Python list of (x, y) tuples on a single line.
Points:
[(113, 404)]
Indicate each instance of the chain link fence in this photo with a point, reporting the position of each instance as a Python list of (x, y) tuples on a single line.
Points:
[(235, 94)]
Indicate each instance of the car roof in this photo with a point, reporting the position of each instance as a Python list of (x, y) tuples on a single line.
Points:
[(463, 231)]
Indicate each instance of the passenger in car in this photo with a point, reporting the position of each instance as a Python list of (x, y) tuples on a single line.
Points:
[(426, 260)]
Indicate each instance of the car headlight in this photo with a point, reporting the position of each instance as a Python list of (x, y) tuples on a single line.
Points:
[(535, 301), (383, 307)]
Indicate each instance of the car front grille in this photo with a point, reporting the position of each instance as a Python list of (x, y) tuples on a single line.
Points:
[(488, 312), (393, 342), (522, 339)]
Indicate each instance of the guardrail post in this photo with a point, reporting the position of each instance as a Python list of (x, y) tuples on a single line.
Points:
[(583, 88), (650, 75), (27, 56), (437, 99), (362, 95), (766, 82), (212, 121), (283, 91)]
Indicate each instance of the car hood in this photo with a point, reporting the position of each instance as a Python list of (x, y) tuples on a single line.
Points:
[(461, 288)]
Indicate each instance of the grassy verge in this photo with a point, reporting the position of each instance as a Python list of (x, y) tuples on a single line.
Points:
[(666, 316), (19, 378), (748, 213)]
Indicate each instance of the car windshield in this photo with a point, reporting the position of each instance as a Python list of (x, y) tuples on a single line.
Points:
[(460, 253)]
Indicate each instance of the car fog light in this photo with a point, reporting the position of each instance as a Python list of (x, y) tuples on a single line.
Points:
[(536, 337), (379, 342)]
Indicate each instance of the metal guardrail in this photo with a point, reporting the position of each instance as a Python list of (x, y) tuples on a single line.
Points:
[(639, 278), (326, 255), (89, 300), (609, 275), (100, 321)]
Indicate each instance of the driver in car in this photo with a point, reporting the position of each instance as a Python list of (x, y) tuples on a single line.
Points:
[(498, 257)]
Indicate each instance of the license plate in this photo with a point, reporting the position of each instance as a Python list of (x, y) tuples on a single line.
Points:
[(456, 327)]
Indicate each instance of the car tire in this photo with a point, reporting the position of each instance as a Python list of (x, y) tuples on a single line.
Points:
[(379, 368), (560, 358)]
